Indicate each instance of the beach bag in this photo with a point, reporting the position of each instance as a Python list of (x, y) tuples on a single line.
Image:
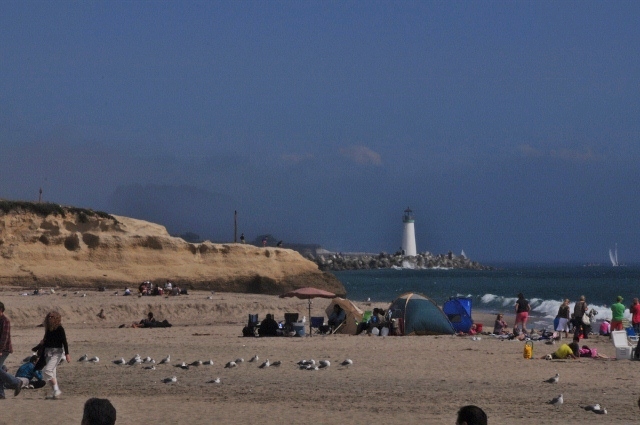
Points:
[(528, 350), (585, 320)]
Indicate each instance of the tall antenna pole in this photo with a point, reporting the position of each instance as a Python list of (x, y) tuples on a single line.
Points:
[(40, 196), (235, 226)]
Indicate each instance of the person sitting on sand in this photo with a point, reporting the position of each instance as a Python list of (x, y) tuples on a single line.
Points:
[(149, 322), (473, 330), (127, 291), (268, 327), (28, 374), (500, 325)]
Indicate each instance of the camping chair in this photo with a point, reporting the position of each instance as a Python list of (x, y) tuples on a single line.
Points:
[(252, 326), (289, 320), (631, 334), (316, 323)]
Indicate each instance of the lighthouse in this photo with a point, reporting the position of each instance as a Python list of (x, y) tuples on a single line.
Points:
[(408, 233)]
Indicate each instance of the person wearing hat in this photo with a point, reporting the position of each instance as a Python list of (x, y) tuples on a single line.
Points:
[(617, 314)]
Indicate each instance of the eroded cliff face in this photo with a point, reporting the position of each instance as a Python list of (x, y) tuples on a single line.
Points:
[(76, 250)]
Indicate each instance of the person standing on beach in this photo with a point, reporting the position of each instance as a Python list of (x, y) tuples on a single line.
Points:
[(55, 348), (579, 311), (564, 315), (522, 312), (6, 379), (5, 336), (635, 315), (617, 314)]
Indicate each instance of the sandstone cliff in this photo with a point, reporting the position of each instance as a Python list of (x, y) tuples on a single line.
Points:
[(69, 247)]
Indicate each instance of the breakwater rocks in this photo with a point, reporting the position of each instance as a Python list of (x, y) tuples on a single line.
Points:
[(426, 260)]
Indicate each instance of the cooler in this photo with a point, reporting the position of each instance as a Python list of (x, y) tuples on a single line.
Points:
[(298, 328), (623, 349)]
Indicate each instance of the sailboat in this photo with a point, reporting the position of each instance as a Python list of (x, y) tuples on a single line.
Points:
[(613, 256)]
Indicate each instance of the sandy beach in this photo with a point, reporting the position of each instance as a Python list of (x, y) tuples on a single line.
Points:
[(393, 380)]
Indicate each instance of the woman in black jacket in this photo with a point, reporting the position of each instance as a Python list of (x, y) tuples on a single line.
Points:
[(55, 348)]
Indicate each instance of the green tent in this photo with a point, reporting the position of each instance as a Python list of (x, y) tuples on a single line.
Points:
[(417, 315)]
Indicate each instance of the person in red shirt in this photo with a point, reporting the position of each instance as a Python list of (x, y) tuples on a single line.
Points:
[(635, 315)]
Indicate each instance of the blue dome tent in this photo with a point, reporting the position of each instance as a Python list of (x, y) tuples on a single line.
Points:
[(458, 310), (418, 315)]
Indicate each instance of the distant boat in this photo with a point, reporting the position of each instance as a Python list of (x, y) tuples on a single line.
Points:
[(613, 256)]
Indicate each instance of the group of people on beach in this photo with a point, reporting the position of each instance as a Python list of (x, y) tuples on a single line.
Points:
[(41, 368), (51, 351), (148, 288)]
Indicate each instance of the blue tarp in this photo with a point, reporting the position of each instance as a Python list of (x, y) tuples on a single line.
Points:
[(458, 310), (420, 316)]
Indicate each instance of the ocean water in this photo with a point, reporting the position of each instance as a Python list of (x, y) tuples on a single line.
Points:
[(545, 286)]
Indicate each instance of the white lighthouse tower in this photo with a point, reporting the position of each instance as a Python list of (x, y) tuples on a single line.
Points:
[(408, 234)]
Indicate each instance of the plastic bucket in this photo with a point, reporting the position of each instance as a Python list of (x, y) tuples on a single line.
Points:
[(298, 328)]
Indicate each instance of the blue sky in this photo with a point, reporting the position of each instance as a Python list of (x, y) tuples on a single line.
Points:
[(510, 128)]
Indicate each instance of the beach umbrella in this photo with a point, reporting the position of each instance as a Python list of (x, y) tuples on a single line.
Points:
[(307, 294)]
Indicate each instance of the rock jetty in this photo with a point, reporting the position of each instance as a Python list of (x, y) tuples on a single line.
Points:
[(426, 260)]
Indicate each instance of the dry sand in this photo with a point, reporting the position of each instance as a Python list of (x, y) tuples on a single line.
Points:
[(394, 380)]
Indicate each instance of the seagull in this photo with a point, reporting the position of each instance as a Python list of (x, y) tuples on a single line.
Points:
[(553, 380), (197, 363), (324, 363), (254, 359), (602, 411), (592, 407), (556, 401), (214, 381), (276, 363), (147, 360), (265, 364), (166, 359), (347, 362), (229, 365), (182, 365), (152, 367), (94, 359), (170, 380), (306, 362), (83, 358), (239, 360), (121, 360), (208, 362), (135, 359)]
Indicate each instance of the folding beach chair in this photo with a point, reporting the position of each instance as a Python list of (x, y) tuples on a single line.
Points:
[(316, 323), (252, 325), (289, 320)]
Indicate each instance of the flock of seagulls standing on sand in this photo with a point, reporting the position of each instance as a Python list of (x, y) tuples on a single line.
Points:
[(559, 400), (151, 364)]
